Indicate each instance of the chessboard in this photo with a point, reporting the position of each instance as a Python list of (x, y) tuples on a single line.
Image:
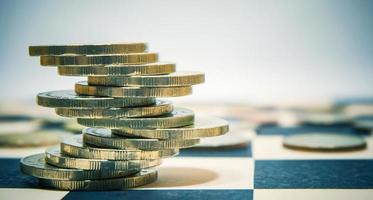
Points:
[(261, 169)]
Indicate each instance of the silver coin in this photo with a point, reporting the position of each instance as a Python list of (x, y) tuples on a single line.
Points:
[(323, 118), (324, 141), (363, 122)]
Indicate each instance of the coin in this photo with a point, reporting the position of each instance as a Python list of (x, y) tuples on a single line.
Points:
[(179, 117), (160, 108), (5, 117), (107, 59), (169, 80), (117, 70), (202, 127), (363, 122), (68, 98), (320, 118), (85, 89), (19, 126), (54, 157), (36, 166), (104, 138), (324, 141), (142, 178), (87, 49), (32, 139), (239, 139), (74, 146)]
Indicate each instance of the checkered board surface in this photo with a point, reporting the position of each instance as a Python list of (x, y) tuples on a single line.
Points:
[(262, 170)]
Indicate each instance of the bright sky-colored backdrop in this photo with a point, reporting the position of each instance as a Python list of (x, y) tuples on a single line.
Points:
[(251, 51)]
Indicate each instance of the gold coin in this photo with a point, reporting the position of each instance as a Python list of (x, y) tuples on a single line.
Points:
[(169, 80), (104, 138), (91, 49), (142, 178), (68, 98), (160, 108), (202, 127), (107, 59), (54, 157), (117, 70), (36, 166), (74, 146), (84, 89), (179, 117)]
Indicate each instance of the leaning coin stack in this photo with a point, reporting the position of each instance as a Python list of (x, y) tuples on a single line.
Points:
[(129, 129)]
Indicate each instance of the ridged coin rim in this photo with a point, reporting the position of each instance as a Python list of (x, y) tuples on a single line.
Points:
[(180, 78), (202, 127), (54, 157), (83, 88), (107, 59), (68, 98), (74, 146), (87, 49), (142, 178), (177, 118), (104, 138), (161, 107), (117, 70), (35, 165)]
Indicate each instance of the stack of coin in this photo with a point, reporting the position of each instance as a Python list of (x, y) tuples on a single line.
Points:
[(129, 129)]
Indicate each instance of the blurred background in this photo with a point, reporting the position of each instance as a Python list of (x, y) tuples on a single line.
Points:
[(293, 78), (261, 52), (288, 64)]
